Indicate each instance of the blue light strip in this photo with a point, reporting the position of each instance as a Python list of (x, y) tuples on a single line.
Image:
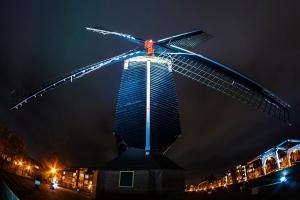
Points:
[(105, 32), (147, 147), (122, 35)]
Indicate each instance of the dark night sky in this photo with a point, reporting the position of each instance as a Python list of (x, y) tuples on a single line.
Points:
[(40, 41)]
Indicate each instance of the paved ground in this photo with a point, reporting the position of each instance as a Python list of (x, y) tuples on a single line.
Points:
[(24, 189)]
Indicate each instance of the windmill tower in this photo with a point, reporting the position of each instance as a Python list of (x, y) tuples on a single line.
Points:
[(147, 103), (147, 116)]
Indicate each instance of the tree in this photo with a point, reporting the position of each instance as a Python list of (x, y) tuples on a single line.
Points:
[(4, 132), (10, 143)]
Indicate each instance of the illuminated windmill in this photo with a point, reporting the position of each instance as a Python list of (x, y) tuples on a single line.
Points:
[(147, 112)]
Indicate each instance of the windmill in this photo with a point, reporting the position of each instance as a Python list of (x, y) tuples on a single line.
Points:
[(147, 113)]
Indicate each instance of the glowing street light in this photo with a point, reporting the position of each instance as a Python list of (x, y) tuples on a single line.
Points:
[(55, 185), (283, 179), (53, 170)]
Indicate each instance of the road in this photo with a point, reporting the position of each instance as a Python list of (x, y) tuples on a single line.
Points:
[(59, 193), (24, 189)]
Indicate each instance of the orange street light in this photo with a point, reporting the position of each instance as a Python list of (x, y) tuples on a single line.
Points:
[(53, 170)]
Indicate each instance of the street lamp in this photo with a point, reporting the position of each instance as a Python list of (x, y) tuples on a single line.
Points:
[(283, 179), (53, 170)]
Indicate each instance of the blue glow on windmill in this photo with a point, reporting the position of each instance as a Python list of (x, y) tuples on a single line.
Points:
[(147, 103)]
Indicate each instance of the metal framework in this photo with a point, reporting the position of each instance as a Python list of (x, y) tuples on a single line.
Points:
[(219, 78), (188, 40)]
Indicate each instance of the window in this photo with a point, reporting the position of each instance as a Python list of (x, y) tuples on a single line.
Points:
[(126, 178)]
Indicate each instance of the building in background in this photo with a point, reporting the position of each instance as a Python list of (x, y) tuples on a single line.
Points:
[(81, 179), (282, 156), (231, 176), (255, 169), (241, 173), (21, 165)]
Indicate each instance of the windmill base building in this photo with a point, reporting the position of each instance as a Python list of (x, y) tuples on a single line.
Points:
[(146, 124), (134, 175)]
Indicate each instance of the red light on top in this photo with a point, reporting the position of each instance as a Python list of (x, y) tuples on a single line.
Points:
[(149, 46)]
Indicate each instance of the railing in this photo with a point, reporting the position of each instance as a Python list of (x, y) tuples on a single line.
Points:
[(5, 192)]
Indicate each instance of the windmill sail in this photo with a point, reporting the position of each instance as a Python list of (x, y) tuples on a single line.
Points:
[(226, 81), (188, 40), (74, 75), (121, 35)]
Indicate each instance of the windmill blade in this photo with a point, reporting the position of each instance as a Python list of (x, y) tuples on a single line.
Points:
[(187, 40), (121, 35), (74, 75), (227, 81)]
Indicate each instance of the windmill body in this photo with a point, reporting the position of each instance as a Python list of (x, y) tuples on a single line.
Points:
[(147, 107)]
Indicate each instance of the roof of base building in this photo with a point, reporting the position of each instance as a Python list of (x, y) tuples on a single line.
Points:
[(135, 159)]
